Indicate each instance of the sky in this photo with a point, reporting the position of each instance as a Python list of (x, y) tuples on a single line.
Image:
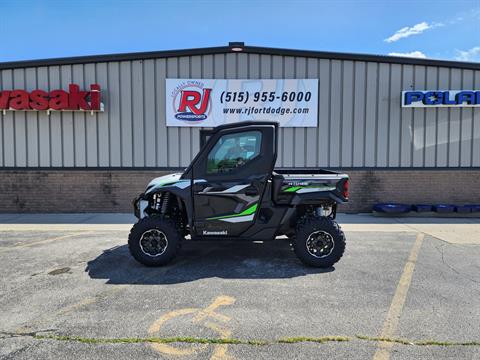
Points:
[(430, 29)]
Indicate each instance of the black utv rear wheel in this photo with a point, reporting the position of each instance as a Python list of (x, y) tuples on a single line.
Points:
[(319, 241), (154, 241)]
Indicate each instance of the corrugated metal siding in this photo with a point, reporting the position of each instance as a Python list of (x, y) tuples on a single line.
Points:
[(360, 124)]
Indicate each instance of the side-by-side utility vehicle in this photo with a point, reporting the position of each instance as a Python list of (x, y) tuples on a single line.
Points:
[(230, 191)]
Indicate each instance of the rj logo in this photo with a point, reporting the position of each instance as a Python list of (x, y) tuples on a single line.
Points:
[(191, 98)]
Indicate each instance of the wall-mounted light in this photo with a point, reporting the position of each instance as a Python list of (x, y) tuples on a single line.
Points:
[(236, 46)]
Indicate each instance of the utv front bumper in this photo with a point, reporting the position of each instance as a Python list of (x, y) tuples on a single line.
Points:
[(140, 203)]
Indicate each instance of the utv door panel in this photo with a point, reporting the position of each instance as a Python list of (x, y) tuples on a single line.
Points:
[(235, 167)]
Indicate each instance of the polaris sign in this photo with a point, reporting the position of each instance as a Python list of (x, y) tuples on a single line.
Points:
[(441, 98)]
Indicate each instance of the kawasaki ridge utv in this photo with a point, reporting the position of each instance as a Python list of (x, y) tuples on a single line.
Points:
[(231, 192)]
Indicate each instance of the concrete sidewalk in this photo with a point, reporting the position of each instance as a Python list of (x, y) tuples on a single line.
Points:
[(452, 230)]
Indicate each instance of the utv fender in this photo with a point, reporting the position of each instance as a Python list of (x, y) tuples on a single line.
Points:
[(180, 187), (314, 198), (175, 191)]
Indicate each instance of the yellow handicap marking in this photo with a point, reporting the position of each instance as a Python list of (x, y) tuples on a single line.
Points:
[(210, 309), (207, 317)]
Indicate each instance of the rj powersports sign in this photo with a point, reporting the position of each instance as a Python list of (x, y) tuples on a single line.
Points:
[(441, 98), (208, 102), (56, 100)]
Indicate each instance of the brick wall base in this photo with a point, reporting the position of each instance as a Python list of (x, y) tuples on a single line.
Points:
[(412, 187), (47, 191)]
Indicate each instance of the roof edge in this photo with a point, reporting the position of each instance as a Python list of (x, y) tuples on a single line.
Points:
[(246, 49), (364, 57)]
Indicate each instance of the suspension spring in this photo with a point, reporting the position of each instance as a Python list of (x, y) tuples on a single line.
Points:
[(165, 201)]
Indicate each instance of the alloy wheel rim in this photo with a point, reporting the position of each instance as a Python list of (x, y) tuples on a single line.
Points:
[(320, 244), (153, 242)]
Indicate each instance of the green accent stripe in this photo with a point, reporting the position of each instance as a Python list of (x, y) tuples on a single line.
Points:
[(168, 183), (319, 186), (251, 210), (292, 189)]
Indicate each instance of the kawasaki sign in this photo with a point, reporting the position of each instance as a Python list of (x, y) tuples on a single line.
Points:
[(55, 100), (441, 98)]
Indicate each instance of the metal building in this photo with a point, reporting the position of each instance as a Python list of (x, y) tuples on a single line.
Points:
[(97, 161)]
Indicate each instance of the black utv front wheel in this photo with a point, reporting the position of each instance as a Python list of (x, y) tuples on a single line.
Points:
[(154, 241), (319, 241)]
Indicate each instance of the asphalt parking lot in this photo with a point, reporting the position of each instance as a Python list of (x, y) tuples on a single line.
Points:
[(405, 289)]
